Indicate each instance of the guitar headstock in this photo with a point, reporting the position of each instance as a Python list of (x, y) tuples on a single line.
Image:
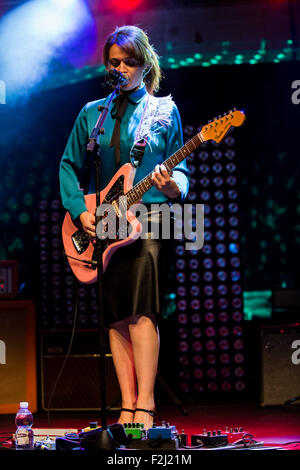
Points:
[(218, 128)]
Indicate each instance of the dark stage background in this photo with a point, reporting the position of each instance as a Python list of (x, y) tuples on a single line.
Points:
[(34, 132)]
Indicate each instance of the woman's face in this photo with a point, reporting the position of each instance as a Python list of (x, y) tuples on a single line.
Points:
[(128, 66)]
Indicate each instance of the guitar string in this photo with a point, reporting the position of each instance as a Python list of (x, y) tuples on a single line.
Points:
[(111, 216)]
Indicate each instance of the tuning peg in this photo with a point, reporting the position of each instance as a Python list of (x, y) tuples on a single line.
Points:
[(234, 109), (229, 112), (215, 118), (219, 117)]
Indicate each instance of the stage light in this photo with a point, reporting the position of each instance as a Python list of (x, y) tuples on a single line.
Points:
[(195, 318), (196, 346), (32, 34), (125, 5), (223, 317), (226, 386), (196, 332), (182, 318), (184, 360), (183, 346), (209, 317), (195, 304), (194, 277)]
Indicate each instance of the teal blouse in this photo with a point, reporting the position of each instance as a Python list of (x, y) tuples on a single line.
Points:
[(165, 140)]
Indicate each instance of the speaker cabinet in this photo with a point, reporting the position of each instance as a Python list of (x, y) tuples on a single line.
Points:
[(17, 355), (77, 386), (280, 364)]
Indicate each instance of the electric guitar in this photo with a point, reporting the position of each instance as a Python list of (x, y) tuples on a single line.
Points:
[(120, 195)]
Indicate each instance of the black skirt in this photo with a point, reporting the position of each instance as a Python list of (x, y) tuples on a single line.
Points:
[(138, 277)]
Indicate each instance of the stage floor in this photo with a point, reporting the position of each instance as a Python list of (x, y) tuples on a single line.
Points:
[(273, 426)]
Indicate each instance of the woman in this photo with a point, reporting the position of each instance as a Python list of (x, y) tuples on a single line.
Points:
[(134, 279)]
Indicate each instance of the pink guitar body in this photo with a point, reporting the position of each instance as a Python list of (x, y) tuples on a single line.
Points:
[(120, 184)]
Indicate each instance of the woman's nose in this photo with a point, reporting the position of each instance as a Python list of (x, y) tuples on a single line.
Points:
[(121, 67)]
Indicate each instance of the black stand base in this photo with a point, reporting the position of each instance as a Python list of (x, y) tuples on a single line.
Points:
[(104, 441)]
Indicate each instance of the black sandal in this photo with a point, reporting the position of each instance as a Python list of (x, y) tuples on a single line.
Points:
[(128, 410), (150, 412)]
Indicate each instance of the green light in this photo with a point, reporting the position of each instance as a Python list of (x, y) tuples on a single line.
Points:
[(239, 56), (182, 62), (190, 60), (289, 41), (28, 199), (257, 304), (213, 61), (198, 56), (276, 61), (174, 66), (257, 56), (252, 61), (238, 62), (169, 46), (206, 64), (101, 68), (281, 55), (24, 218), (218, 57), (171, 60)]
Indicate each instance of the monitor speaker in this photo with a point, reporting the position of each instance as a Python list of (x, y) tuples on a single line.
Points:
[(280, 364)]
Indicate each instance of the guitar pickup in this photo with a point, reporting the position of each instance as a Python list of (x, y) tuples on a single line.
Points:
[(81, 241)]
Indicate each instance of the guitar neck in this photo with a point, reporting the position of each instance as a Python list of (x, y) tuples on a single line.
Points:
[(135, 194)]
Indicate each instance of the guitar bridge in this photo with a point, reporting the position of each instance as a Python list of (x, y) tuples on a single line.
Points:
[(81, 241)]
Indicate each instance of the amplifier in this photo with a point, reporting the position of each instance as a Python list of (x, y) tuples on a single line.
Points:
[(280, 364), (79, 385), (17, 355)]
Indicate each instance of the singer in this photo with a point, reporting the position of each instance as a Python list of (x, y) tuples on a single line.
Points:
[(135, 280)]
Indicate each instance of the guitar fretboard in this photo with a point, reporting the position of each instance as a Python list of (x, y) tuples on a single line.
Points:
[(136, 193)]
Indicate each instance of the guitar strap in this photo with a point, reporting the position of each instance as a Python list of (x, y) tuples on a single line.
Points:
[(138, 149)]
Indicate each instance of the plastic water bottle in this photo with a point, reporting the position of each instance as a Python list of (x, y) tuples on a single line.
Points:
[(24, 433)]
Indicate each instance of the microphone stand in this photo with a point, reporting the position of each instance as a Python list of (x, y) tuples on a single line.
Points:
[(104, 438)]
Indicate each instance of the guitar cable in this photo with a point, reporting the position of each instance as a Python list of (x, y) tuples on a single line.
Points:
[(93, 263), (67, 353)]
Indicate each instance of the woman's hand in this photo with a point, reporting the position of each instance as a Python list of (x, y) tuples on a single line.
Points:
[(164, 182), (88, 223)]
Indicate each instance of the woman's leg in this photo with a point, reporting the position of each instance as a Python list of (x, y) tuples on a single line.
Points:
[(122, 354), (134, 344), (145, 342)]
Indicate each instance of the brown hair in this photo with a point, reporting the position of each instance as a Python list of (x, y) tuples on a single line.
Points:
[(135, 42)]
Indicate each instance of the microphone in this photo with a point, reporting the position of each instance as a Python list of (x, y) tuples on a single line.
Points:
[(117, 78)]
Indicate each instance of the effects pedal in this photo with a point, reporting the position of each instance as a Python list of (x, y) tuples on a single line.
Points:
[(165, 431), (209, 439), (134, 430), (234, 434)]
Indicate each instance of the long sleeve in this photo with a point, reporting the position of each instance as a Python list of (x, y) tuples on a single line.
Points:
[(72, 163), (174, 142)]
